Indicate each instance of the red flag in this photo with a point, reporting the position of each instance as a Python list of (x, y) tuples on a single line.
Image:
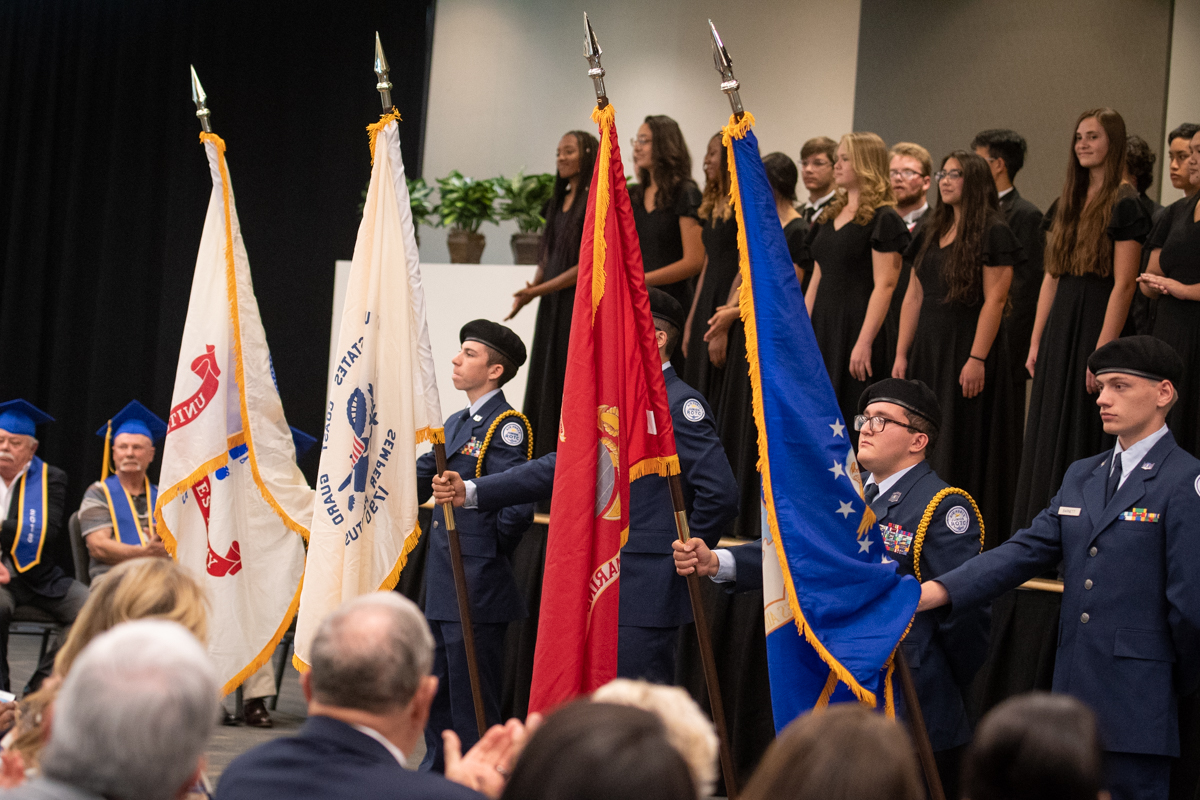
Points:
[(615, 428)]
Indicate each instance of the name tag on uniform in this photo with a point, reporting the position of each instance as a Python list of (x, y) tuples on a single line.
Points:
[(1068, 511)]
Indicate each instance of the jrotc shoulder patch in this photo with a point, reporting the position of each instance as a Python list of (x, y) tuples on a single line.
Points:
[(693, 411), (512, 433), (472, 448), (958, 520)]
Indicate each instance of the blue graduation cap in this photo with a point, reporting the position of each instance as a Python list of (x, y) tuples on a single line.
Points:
[(133, 418), (303, 442), (22, 417)]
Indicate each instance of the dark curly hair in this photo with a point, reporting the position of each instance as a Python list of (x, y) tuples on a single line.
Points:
[(671, 162), (1139, 160)]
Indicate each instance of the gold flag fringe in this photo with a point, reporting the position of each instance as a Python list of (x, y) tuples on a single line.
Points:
[(605, 119), (375, 127)]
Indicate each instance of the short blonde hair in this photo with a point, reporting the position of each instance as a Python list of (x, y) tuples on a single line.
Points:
[(141, 588), (688, 729), (913, 150)]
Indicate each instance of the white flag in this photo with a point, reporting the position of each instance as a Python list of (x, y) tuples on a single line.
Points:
[(383, 401), (233, 507)]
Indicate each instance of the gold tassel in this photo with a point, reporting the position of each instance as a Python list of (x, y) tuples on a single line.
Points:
[(108, 452), (604, 118)]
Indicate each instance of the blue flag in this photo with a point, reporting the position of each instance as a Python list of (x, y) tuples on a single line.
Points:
[(835, 609)]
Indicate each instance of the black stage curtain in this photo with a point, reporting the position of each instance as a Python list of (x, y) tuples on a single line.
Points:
[(104, 185)]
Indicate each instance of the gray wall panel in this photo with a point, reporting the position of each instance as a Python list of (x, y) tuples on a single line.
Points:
[(937, 72)]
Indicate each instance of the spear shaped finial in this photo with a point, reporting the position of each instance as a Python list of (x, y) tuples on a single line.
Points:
[(724, 64), (592, 51), (381, 71), (199, 98)]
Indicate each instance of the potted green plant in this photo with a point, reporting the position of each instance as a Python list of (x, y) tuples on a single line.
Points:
[(463, 205), (522, 198)]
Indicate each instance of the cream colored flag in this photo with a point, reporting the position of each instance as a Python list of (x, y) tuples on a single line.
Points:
[(233, 507), (383, 401)]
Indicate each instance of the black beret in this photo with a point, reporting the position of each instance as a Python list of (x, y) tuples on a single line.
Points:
[(666, 308), (913, 396), (495, 336), (1144, 356)]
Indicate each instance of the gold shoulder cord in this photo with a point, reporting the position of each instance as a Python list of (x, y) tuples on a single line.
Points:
[(487, 440), (923, 528)]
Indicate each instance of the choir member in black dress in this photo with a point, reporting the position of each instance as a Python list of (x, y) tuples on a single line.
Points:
[(856, 249), (816, 169), (1139, 173), (910, 168), (1093, 252), (558, 265), (726, 339), (1173, 277), (666, 206), (949, 334), (1004, 151), (703, 371)]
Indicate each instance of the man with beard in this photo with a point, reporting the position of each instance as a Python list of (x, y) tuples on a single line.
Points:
[(909, 171), (33, 493)]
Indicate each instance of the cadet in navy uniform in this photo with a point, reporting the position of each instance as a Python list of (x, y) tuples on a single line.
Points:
[(654, 600), (487, 438), (898, 424), (1124, 526)]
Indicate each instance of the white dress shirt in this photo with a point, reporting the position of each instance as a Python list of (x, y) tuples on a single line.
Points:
[(396, 752), (6, 491), (1137, 451)]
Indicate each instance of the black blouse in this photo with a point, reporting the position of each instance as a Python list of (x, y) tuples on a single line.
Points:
[(658, 232)]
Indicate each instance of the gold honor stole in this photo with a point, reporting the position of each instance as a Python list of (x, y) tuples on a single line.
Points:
[(31, 524), (126, 528)]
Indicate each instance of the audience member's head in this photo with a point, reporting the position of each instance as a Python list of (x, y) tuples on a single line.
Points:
[(1179, 142), (1139, 163), (688, 730), (600, 751), (844, 752), (1004, 150), (134, 715), (371, 659), (142, 588), (1036, 746)]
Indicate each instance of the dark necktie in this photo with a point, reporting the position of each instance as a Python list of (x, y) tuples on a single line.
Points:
[(1114, 479), (870, 492), (809, 213)]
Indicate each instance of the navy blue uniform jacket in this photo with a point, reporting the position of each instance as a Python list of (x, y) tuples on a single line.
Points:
[(331, 760), (488, 538), (1128, 640), (46, 579), (653, 595), (943, 649)]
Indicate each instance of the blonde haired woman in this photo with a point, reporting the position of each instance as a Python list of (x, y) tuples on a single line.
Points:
[(856, 247)]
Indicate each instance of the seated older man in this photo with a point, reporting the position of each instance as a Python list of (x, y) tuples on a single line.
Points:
[(116, 517), (369, 693), (32, 495), (100, 743)]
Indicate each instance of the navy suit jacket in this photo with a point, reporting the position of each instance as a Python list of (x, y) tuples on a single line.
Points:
[(487, 538), (331, 760), (1129, 631), (653, 595), (944, 649), (46, 579)]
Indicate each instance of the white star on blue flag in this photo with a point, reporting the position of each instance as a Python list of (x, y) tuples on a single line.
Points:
[(838, 427), (845, 510), (837, 469)]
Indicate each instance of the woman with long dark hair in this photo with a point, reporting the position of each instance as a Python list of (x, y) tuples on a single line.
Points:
[(962, 268), (702, 371), (1093, 251), (666, 209), (558, 266), (856, 247)]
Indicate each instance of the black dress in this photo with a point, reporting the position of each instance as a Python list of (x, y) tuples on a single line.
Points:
[(1177, 322), (552, 331), (720, 245), (975, 449), (847, 279), (795, 232), (658, 232), (1064, 424)]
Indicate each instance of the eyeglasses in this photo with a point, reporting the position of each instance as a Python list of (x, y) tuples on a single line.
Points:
[(640, 141), (952, 174), (816, 163), (906, 174), (877, 424)]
